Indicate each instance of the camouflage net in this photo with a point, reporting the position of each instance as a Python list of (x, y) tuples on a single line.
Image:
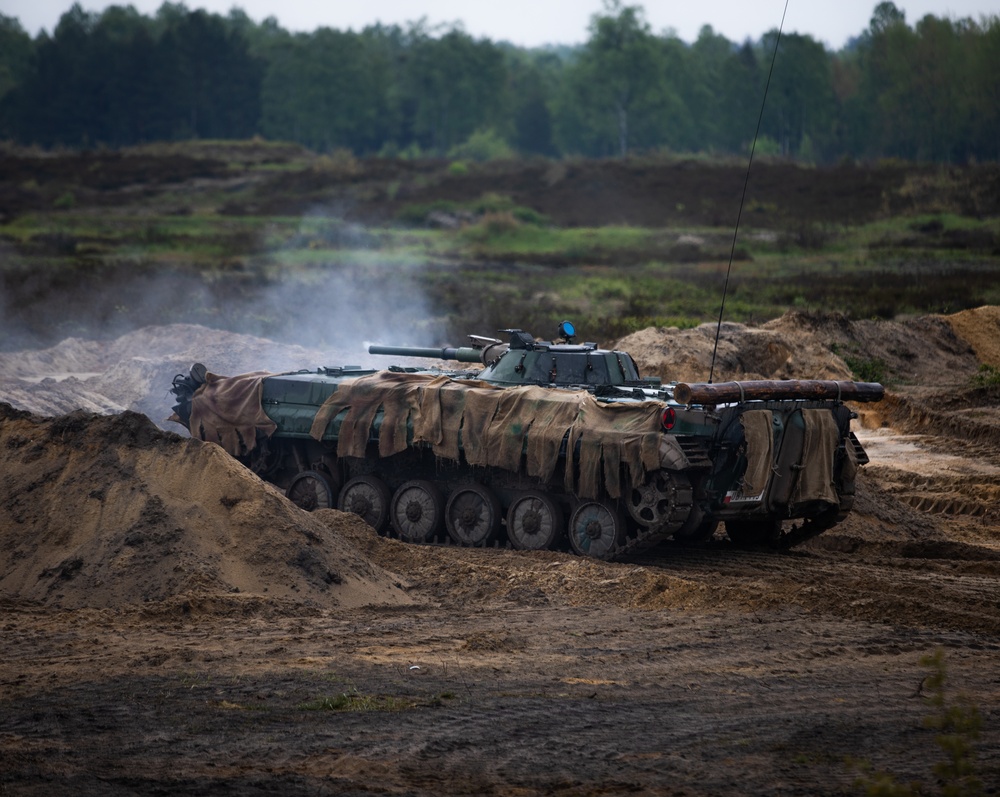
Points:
[(815, 482), (758, 432), (496, 427), (227, 410)]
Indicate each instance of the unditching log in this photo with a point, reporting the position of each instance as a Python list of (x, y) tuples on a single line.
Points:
[(777, 390)]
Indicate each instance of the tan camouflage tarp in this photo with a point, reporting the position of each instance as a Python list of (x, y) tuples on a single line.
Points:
[(815, 482), (227, 410), (498, 425), (758, 433)]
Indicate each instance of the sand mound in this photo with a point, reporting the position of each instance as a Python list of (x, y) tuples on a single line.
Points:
[(744, 353), (108, 511), (981, 329), (799, 345), (922, 350), (134, 372)]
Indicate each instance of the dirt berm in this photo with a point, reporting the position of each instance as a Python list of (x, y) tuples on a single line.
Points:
[(940, 351), (108, 511)]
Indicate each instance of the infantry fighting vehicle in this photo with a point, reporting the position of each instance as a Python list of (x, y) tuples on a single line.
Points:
[(547, 444)]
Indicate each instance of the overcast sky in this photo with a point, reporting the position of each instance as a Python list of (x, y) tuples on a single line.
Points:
[(530, 23)]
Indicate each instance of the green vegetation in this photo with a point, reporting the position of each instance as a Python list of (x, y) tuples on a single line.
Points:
[(867, 370), (488, 262), (451, 213), (987, 376), (120, 78), (482, 145)]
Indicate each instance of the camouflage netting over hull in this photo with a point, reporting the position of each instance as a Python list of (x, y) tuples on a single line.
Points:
[(498, 425), (759, 435), (227, 410), (815, 480)]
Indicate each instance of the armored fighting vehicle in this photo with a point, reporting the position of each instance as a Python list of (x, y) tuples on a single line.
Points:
[(544, 445)]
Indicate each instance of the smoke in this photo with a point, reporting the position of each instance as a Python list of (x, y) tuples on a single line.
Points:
[(328, 285), (332, 284), (109, 334)]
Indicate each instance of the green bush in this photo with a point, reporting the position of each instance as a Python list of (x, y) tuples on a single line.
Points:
[(958, 723), (986, 376), (867, 370), (498, 203), (416, 213), (483, 145)]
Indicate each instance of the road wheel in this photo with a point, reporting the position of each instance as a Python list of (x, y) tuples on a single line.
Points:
[(367, 497), (662, 502), (596, 529), (311, 490), (534, 521), (473, 515), (417, 511)]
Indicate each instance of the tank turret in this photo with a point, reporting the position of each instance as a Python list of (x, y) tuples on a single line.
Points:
[(526, 361)]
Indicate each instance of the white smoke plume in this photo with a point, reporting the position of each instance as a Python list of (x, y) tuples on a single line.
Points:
[(110, 337)]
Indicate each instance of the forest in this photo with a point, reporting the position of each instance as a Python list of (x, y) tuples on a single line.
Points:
[(927, 91)]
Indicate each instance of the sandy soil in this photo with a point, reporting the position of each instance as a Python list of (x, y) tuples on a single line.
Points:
[(171, 624)]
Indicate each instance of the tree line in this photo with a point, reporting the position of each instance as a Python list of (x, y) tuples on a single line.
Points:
[(928, 91)]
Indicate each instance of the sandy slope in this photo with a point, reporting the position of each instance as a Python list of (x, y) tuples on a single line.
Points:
[(108, 511)]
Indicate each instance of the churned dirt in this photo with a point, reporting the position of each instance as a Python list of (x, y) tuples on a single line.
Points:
[(172, 625)]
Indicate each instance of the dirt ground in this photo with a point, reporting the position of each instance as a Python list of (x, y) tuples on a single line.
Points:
[(172, 625)]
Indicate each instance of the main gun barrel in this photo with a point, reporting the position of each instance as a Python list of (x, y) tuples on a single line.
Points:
[(464, 354)]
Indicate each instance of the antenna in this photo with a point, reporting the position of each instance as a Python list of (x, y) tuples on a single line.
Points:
[(746, 182)]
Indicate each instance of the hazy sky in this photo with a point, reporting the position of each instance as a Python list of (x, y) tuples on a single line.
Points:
[(531, 23)]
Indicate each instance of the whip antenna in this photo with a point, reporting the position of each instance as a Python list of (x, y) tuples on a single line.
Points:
[(746, 182)]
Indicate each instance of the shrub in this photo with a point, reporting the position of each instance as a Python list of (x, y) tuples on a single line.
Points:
[(958, 723), (492, 225), (867, 370), (498, 203), (339, 161), (986, 376), (483, 145), (416, 213)]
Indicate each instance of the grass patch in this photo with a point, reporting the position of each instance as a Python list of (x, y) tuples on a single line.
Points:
[(452, 213), (986, 376), (867, 369), (499, 236)]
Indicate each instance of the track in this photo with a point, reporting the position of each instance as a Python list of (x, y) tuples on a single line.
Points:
[(935, 588)]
